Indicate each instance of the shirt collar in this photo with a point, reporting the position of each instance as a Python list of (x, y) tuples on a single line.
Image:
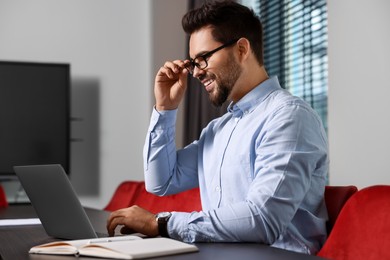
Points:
[(253, 98)]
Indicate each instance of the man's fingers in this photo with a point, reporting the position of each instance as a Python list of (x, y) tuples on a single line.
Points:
[(135, 219), (172, 68), (176, 65), (126, 230), (114, 220)]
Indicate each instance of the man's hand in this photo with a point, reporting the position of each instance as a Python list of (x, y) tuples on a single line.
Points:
[(134, 219), (170, 85)]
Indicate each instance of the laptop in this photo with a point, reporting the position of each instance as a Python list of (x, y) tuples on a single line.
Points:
[(55, 202)]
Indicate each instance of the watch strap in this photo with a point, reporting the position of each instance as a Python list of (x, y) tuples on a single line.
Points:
[(162, 222)]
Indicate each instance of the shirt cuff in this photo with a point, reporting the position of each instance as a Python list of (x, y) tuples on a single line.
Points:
[(162, 119), (178, 226)]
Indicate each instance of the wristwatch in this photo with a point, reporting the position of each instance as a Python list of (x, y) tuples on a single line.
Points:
[(162, 221)]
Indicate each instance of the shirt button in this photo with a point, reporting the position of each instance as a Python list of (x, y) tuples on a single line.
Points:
[(217, 189)]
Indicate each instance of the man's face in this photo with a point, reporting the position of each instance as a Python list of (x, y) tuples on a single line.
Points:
[(223, 70)]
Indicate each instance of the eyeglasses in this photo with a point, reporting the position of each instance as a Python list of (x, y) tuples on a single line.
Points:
[(201, 61)]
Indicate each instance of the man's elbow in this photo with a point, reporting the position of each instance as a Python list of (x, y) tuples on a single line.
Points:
[(155, 190)]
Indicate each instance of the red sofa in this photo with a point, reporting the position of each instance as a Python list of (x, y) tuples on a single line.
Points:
[(131, 193), (3, 198), (362, 229)]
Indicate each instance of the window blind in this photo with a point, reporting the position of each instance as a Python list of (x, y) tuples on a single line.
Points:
[(295, 47)]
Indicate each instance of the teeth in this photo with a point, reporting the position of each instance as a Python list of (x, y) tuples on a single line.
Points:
[(206, 83)]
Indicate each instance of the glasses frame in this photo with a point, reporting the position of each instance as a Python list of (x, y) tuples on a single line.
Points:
[(191, 66)]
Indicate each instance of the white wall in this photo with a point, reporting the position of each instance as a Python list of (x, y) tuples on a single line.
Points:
[(359, 91), (169, 43), (113, 52)]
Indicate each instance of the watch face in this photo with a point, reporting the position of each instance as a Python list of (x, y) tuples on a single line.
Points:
[(164, 214)]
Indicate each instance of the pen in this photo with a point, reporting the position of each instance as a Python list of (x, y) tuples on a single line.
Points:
[(113, 239)]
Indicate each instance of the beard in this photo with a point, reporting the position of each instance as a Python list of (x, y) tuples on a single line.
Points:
[(225, 81)]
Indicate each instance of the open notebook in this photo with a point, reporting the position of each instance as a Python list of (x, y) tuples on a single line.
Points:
[(126, 247)]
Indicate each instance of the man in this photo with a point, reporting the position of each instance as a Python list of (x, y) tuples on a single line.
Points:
[(261, 167)]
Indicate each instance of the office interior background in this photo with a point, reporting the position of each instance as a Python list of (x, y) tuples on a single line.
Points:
[(116, 47)]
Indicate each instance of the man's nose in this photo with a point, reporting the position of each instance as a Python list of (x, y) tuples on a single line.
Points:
[(197, 72)]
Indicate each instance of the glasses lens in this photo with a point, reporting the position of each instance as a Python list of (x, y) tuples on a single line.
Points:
[(200, 62)]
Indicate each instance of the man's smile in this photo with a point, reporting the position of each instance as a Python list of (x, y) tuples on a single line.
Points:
[(207, 83)]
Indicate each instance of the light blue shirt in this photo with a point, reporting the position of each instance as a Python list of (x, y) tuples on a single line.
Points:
[(261, 169)]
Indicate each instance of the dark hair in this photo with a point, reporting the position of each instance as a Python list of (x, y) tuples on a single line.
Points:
[(229, 20)]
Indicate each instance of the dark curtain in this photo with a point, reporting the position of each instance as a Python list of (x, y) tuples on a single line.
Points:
[(198, 109)]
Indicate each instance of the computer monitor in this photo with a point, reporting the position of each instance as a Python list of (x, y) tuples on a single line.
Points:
[(34, 114)]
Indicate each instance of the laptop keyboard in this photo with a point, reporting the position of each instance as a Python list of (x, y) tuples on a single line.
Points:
[(100, 234)]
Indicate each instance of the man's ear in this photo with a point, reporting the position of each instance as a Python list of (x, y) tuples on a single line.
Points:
[(244, 48)]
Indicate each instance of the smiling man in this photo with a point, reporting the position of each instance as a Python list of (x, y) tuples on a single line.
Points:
[(261, 168)]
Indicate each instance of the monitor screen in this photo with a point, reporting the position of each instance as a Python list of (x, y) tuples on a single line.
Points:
[(34, 114)]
